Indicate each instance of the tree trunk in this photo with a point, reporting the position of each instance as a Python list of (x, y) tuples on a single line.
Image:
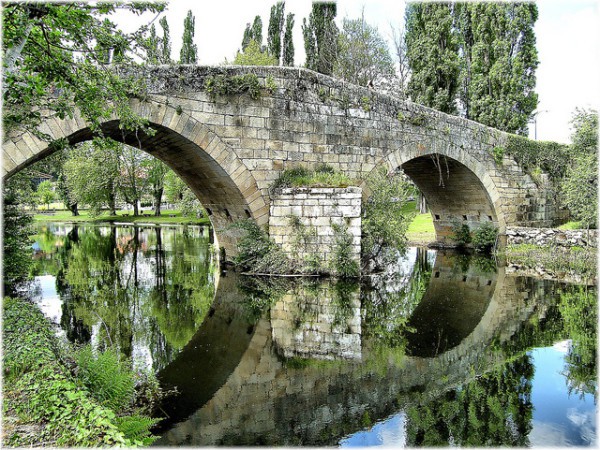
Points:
[(112, 205), (73, 208), (136, 211), (422, 203), (158, 193)]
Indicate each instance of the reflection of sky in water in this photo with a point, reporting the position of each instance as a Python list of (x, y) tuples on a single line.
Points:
[(389, 433), (559, 420), (49, 301)]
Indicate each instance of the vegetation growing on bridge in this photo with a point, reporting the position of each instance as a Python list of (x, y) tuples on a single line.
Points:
[(322, 176)]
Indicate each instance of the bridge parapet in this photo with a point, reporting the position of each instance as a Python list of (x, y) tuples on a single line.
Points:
[(230, 148)]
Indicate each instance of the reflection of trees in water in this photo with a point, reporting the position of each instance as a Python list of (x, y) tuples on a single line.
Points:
[(388, 305), (134, 289), (493, 410), (579, 309)]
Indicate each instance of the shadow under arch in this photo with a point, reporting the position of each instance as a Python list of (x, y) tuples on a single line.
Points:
[(458, 187), (207, 164)]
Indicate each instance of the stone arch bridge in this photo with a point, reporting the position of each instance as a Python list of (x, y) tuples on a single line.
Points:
[(230, 148)]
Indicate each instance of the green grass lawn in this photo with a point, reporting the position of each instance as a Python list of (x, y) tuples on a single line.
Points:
[(420, 230), (169, 216)]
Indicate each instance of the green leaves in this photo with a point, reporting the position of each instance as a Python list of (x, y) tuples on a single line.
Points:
[(54, 61)]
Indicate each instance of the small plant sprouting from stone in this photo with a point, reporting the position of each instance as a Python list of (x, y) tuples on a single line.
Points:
[(223, 85), (343, 263), (498, 154), (322, 176), (365, 103), (179, 110), (401, 117), (323, 95), (270, 84)]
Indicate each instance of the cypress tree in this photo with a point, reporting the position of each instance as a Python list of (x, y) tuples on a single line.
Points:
[(165, 49), (320, 37), (288, 43), (188, 54), (275, 30), (498, 74), (432, 49), (257, 30)]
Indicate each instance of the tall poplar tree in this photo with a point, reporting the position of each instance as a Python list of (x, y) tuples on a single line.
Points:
[(288, 42), (320, 37), (432, 49), (253, 33), (189, 50), (165, 47), (479, 55), (276, 22), (499, 61)]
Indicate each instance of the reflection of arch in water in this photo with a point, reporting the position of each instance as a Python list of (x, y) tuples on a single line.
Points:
[(451, 308), (210, 357), (266, 401)]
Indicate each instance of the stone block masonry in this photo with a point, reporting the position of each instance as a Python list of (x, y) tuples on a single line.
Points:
[(303, 221), (552, 236)]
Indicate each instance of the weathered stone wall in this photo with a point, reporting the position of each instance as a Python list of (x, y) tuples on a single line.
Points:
[(303, 221), (229, 149), (552, 236)]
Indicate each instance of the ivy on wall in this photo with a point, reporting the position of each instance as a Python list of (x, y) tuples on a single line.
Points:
[(533, 156)]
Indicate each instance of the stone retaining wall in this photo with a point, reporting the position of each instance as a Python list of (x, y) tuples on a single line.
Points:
[(552, 236), (302, 221)]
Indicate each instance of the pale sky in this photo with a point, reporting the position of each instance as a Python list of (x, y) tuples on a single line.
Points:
[(567, 33)]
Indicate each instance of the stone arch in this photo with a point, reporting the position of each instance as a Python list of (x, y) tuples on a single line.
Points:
[(210, 166), (456, 185)]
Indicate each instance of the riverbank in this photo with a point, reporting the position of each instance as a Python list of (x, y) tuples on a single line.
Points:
[(123, 216), (45, 403)]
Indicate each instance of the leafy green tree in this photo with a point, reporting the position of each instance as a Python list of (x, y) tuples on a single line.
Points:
[(253, 55), (320, 37), (16, 246), (499, 60), (189, 50), (432, 50), (45, 193), (580, 184), (288, 41), (52, 63), (363, 56), (92, 174), (165, 48), (494, 410), (132, 177), (179, 193), (156, 172), (384, 224), (276, 22), (253, 32)]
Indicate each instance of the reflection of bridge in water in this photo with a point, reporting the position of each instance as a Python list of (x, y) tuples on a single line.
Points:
[(237, 386)]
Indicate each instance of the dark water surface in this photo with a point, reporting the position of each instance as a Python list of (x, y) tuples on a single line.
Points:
[(443, 350)]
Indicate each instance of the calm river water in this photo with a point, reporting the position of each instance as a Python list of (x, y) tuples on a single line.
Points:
[(443, 350)]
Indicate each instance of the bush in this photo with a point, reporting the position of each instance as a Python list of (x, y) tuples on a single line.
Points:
[(323, 176), (461, 234), (484, 237), (107, 377), (343, 264)]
